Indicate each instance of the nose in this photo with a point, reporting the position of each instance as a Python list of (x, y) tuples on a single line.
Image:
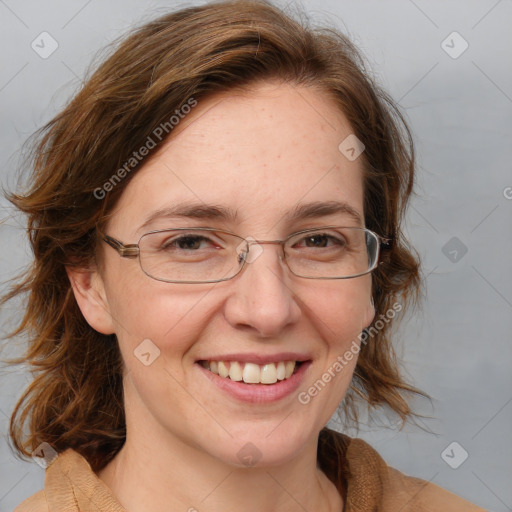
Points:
[(261, 298)]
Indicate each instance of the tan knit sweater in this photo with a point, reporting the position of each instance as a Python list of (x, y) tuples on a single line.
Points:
[(365, 481)]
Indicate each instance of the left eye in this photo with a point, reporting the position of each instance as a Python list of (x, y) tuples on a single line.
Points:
[(321, 240)]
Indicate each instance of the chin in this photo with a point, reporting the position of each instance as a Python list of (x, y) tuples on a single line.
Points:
[(264, 447)]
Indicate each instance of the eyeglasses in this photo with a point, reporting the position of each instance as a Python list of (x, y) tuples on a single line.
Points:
[(209, 255)]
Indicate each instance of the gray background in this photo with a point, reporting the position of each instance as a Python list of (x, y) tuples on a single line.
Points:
[(458, 347)]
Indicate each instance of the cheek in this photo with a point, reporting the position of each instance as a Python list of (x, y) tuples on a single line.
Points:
[(340, 308), (163, 322), (339, 311), (167, 314)]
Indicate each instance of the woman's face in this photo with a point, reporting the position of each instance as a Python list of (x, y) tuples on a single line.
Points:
[(259, 156)]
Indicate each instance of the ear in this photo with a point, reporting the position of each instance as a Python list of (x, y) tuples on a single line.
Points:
[(89, 291)]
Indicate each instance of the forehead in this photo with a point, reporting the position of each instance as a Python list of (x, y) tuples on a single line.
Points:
[(260, 153)]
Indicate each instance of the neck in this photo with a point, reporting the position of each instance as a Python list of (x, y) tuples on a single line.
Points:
[(147, 476)]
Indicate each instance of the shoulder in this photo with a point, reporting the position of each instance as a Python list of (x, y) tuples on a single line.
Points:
[(71, 485), (370, 482), (404, 492), (415, 494), (36, 503)]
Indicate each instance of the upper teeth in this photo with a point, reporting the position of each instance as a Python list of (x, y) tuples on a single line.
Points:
[(252, 373)]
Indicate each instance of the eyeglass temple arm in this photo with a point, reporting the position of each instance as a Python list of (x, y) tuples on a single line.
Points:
[(126, 251)]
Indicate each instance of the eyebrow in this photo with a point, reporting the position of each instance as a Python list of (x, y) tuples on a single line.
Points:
[(312, 210)]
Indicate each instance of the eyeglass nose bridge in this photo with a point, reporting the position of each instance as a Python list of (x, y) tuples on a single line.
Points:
[(244, 256)]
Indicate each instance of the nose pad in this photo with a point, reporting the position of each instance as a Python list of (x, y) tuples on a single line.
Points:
[(242, 250), (249, 250), (254, 250)]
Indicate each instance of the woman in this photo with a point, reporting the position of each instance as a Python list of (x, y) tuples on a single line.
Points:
[(215, 220)]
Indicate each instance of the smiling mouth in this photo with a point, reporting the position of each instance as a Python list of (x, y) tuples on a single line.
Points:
[(251, 373)]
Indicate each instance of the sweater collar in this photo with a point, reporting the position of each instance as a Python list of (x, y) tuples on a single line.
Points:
[(351, 464), (356, 469)]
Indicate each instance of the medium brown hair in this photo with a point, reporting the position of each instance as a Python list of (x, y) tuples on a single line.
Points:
[(76, 396)]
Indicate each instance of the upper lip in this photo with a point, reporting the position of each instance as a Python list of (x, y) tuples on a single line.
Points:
[(259, 358)]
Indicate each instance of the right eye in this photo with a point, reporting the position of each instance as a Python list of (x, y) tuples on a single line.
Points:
[(185, 242)]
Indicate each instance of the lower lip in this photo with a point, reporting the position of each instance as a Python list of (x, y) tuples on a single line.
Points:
[(258, 393)]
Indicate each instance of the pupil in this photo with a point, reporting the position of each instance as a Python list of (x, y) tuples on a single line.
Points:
[(189, 242), (317, 237)]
